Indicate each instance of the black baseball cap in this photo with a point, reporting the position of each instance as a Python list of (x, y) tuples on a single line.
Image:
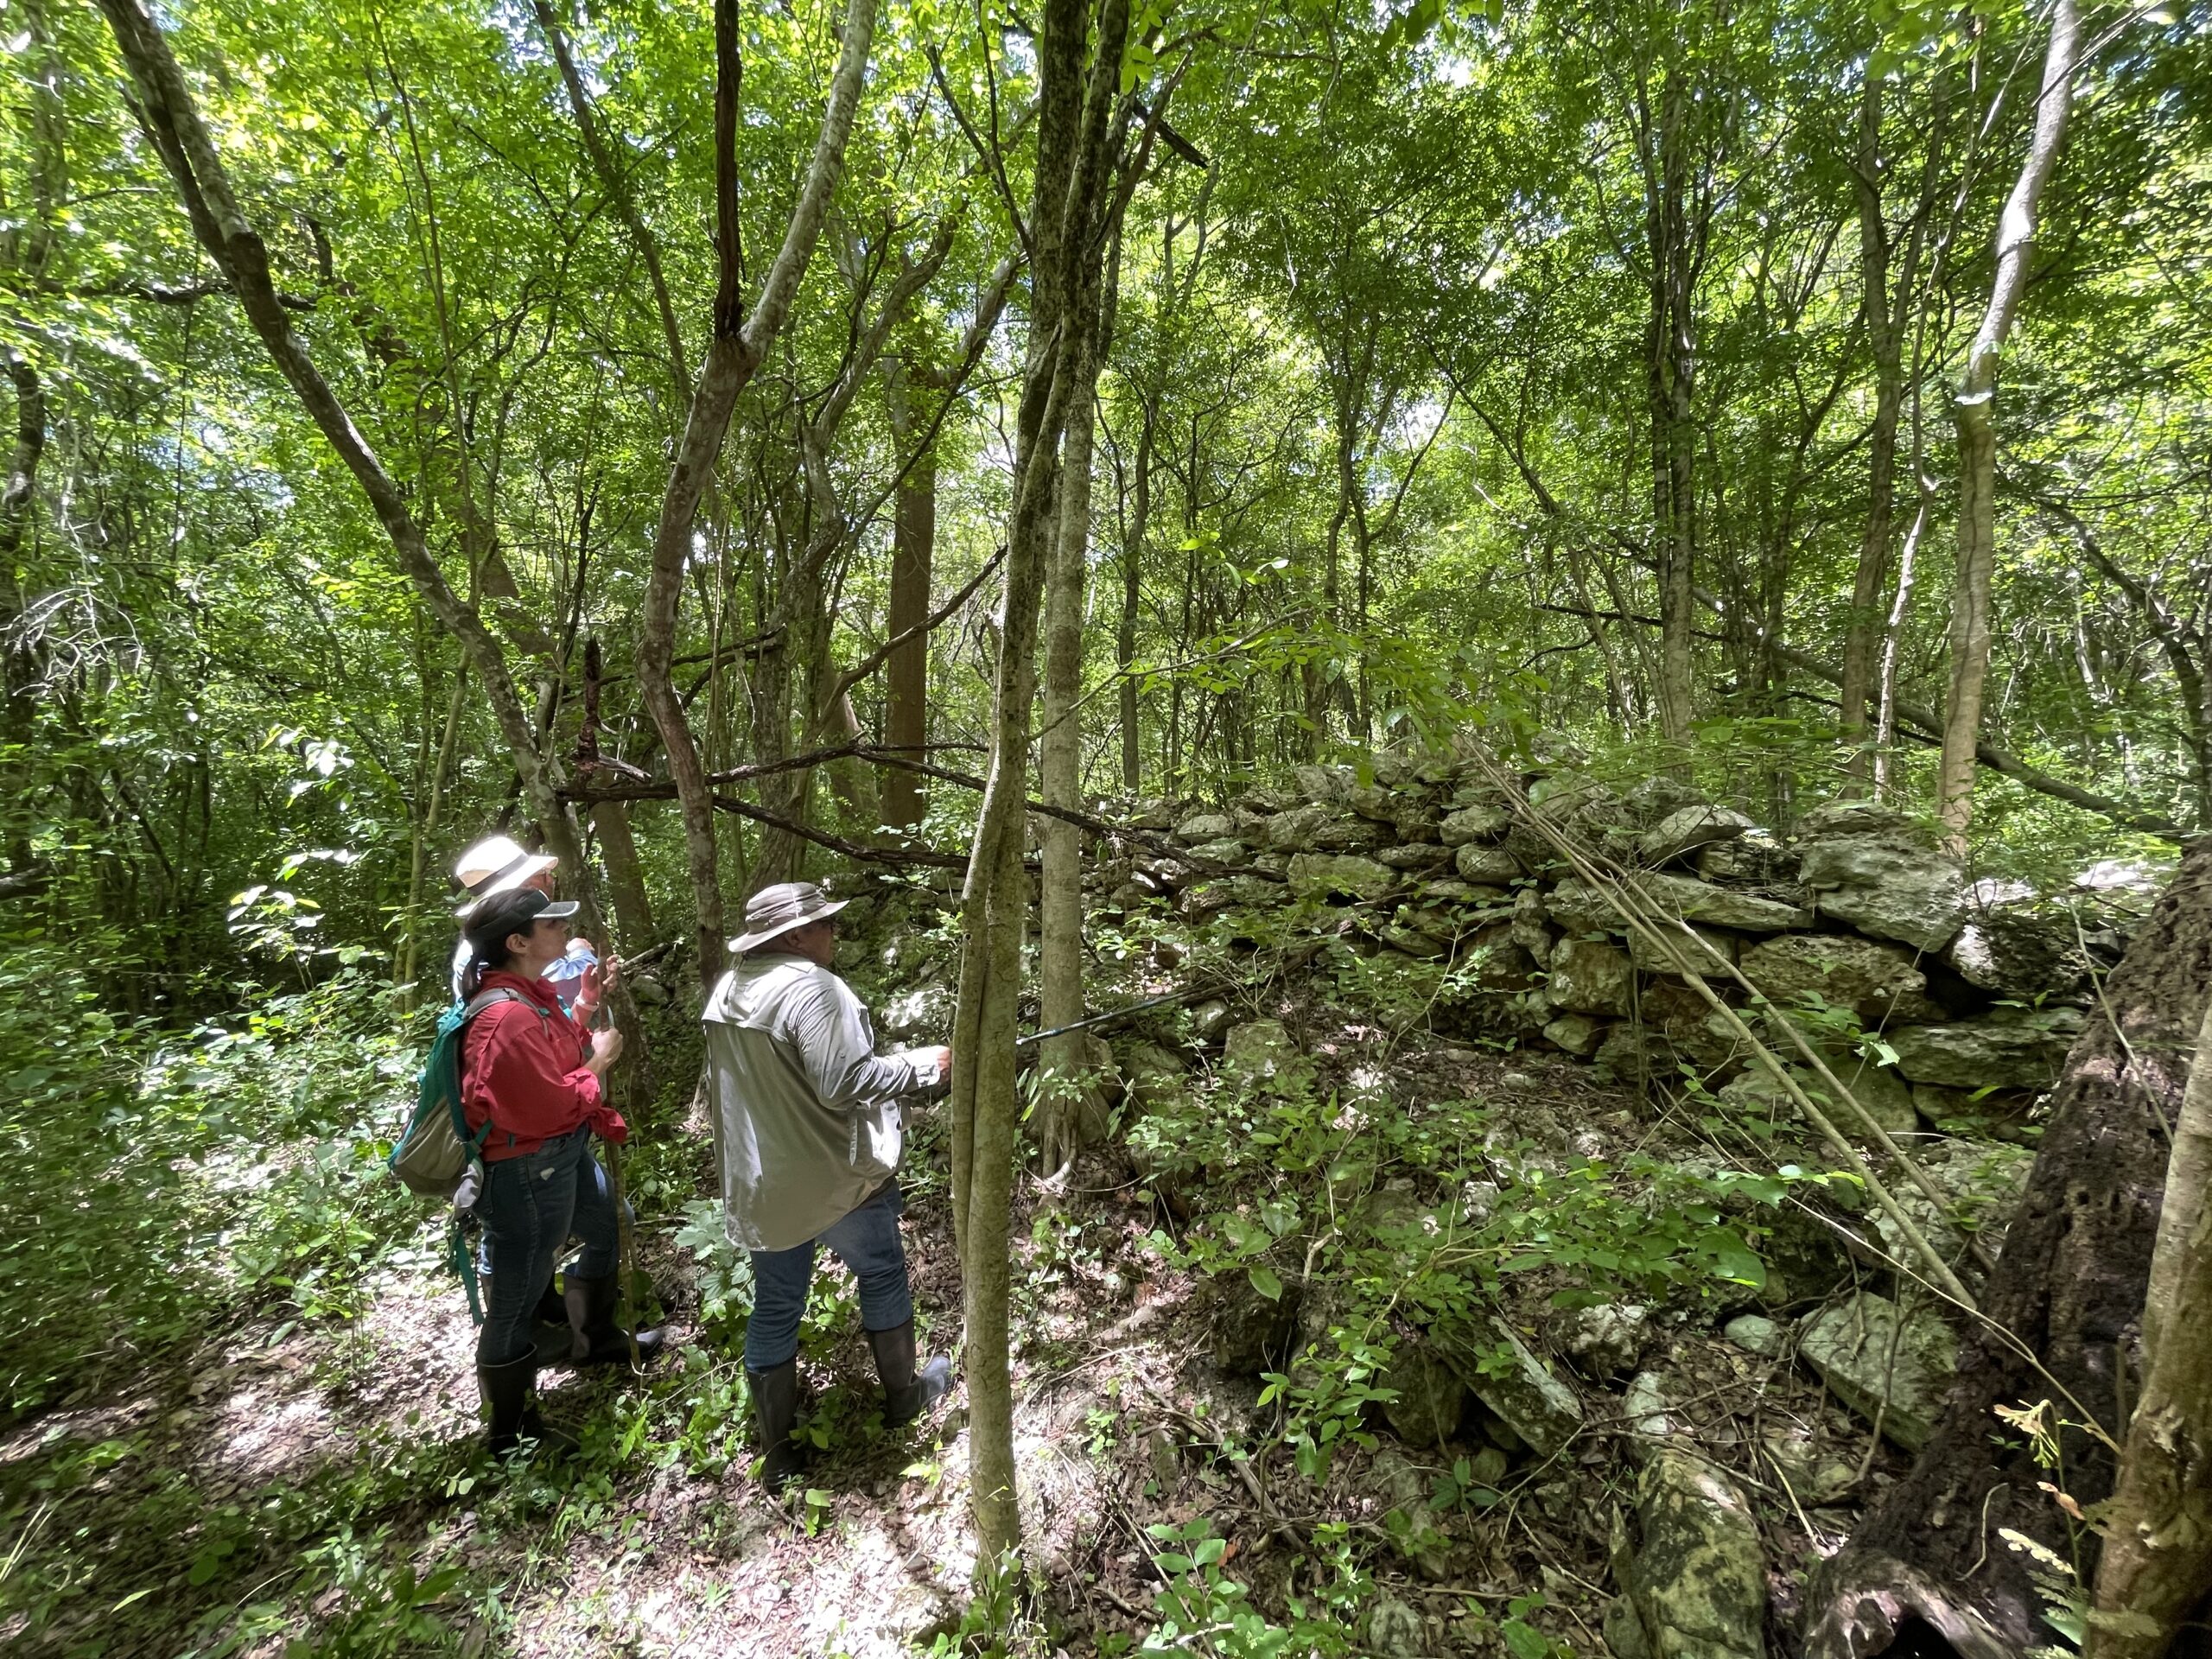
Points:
[(515, 912)]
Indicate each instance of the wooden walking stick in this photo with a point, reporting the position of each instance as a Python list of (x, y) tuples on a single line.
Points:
[(624, 1308)]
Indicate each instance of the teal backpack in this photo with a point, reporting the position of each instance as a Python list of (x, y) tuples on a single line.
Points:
[(434, 1153)]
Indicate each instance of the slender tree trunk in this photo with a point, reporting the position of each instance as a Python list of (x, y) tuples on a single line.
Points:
[(1125, 637), (1070, 194), (172, 121), (1872, 575), (625, 874), (2066, 1301), (907, 675), (1975, 414), (2156, 1564), (1061, 1117), (1673, 388), (737, 347)]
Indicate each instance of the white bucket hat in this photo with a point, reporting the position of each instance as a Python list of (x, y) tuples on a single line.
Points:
[(497, 864), (779, 909)]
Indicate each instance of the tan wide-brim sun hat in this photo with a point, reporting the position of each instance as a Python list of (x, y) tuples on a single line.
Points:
[(497, 864), (775, 911)]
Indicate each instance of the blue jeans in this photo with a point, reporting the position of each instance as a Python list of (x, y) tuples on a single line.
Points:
[(867, 1241), (529, 1207)]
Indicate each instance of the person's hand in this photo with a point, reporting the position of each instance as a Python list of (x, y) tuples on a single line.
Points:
[(606, 1049), (598, 980), (940, 1058)]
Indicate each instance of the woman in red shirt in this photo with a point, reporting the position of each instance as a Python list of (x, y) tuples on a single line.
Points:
[(537, 1076)]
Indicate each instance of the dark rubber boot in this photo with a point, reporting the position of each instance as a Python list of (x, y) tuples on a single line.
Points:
[(775, 1407), (907, 1395), (513, 1413), (595, 1338)]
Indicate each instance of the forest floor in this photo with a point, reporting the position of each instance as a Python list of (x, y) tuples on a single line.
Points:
[(288, 1486)]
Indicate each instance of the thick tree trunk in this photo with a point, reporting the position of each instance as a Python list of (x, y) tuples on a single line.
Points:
[(733, 355), (2068, 1290), (2157, 1565), (906, 674), (1976, 413)]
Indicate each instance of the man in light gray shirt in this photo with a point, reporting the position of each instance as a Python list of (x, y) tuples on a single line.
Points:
[(811, 1138)]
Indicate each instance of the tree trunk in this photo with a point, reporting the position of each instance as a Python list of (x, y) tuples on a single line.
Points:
[(1125, 639), (2069, 1289), (172, 121), (1061, 1114), (626, 875), (1071, 190), (1975, 416), (1673, 389), (2157, 1565), (906, 674), (733, 356)]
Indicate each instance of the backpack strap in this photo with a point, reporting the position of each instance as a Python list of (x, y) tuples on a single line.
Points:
[(475, 1006)]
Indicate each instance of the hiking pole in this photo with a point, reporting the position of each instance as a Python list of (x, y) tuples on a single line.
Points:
[(1184, 996), (625, 1313)]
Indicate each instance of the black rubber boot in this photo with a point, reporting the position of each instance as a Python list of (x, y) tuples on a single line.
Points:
[(513, 1413), (595, 1338), (907, 1394), (775, 1407)]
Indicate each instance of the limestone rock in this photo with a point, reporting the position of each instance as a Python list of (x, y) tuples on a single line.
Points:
[(1317, 875), (1529, 930), (1980, 1055), (1577, 1033), (1293, 831), (1419, 856), (1755, 1334), (1649, 1424), (1205, 901), (1606, 1341), (1590, 978), (1860, 817), (1227, 850), (1205, 826), (1153, 1075), (1632, 1053), (1483, 821), (1528, 1399), (1649, 958), (1413, 943), (1395, 1631), (1431, 1396), (1492, 866), (2013, 948), (1686, 828), (1869, 1351), (1325, 783), (1255, 892), (1698, 1579), (1886, 1096), (1349, 835), (1876, 982), (1371, 801), (1890, 887), (1251, 1332), (1451, 890), (1754, 858), (1210, 1021), (925, 1010), (1261, 1048), (1578, 907)]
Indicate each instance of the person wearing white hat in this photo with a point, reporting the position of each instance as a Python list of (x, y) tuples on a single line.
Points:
[(494, 864), (811, 1139)]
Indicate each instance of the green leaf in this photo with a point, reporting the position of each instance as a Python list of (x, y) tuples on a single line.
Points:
[(1267, 1284)]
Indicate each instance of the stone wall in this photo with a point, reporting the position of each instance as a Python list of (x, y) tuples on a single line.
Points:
[(1976, 988)]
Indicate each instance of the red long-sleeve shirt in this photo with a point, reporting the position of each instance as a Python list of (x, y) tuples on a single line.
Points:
[(523, 1066)]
